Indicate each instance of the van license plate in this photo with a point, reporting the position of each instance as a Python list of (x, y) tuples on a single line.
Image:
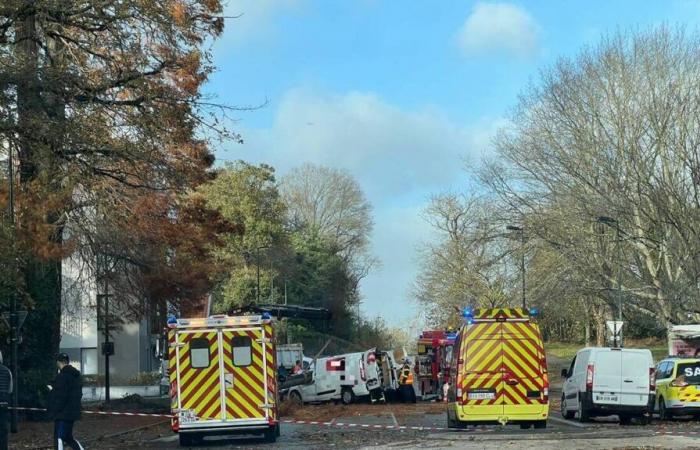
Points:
[(187, 416), (481, 395), (606, 398)]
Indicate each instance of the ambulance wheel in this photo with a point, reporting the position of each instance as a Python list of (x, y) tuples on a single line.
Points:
[(625, 419), (185, 440), (539, 424), (347, 396), (455, 424), (525, 425), (271, 434), (568, 415)]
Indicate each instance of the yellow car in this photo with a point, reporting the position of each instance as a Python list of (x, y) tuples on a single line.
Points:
[(678, 387)]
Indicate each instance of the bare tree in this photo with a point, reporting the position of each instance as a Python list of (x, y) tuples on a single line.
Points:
[(614, 132), (329, 203), (467, 265)]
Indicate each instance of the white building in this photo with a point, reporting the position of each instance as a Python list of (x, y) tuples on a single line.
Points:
[(82, 337)]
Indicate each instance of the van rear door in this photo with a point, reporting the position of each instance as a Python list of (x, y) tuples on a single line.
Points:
[(635, 378), (607, 379), (369, 369), (482, 378), (525, 368)]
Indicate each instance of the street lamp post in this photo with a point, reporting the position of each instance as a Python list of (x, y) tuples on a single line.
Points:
[(609, 221), (521, 230)]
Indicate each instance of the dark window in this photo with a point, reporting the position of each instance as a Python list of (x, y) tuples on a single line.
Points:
[(199, 353), (242, 351), (571, 367), (689, 370)]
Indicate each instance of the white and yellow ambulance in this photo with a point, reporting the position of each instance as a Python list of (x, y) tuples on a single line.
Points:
[(223, 377)]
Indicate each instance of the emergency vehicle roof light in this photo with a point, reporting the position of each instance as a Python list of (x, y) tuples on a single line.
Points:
[(266, 315), (467, 312), (172, 319), (533, 312)]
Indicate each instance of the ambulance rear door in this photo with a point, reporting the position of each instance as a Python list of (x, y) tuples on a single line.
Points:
[(198, 380), (524, 369), (482, 378), (248, 374)]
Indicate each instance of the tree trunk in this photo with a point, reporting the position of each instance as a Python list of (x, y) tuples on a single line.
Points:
[(42, 277)]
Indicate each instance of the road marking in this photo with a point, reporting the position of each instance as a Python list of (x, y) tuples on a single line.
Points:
[(567, 422), (393, 417)]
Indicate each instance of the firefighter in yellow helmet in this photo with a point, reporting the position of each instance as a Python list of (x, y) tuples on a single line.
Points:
[(408, 394)]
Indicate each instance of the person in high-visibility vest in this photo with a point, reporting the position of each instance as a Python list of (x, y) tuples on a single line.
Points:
[(406, 384)]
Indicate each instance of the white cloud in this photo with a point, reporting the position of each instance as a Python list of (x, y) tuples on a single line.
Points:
[(390, 150), (499, 27), (249, 18), (398, 156)]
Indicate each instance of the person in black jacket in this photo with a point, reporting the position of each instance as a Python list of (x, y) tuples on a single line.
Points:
[(65, 395)]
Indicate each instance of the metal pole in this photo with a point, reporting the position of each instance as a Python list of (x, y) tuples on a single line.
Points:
[(522, 261), (619, 281), (257, 267), (13, 302), (106, 319)]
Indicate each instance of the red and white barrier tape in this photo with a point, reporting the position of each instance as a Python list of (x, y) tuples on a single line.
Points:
[(381, 427), (333, 423), (104, 413), (297, 422)]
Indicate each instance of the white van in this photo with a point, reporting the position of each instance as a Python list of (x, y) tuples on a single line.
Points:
[(342, 377), (607, 381)]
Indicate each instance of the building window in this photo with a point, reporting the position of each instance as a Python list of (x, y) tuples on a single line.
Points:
[(199, 353), (242, 351)]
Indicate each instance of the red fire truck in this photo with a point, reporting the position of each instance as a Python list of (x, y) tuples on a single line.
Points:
[(433, 360)]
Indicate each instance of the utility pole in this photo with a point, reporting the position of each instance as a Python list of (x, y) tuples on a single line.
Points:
[(521, 230), (257, 268), (107, 345), (619, 281)]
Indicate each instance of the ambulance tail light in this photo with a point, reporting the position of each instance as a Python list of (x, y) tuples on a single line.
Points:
[(589, 378), (652, 380), (545, 391), (679, 382), (363, 371), (459, 396)]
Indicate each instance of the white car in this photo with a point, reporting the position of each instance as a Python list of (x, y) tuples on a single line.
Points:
[(607, 381), (342, 377)]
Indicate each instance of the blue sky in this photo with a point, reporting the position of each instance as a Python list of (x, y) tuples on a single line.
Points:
[(399, 94)]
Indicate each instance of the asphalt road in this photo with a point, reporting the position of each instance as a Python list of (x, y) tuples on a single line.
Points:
[(367, 431)]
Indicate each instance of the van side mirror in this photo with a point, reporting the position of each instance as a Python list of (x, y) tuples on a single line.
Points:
[(564, 373)]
